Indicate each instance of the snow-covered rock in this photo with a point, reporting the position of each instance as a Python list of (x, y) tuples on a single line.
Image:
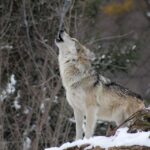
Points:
[(121, 138)]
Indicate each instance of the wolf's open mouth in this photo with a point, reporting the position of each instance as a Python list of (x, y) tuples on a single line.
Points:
[(59, 37)]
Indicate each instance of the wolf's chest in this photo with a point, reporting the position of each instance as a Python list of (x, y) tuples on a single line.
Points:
[(76, 98)]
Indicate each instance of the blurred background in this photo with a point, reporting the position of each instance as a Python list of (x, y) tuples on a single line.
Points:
[(33, 110)]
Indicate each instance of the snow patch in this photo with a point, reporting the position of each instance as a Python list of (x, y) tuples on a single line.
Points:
[(16, 102), (11, 85), (103, 56), (16, 105), (26, 111), (27, 143), (133, 47), (148, 14), (121, 138), (72, 120), (56, 99), (10, 88), (42, 107), (9, 47)]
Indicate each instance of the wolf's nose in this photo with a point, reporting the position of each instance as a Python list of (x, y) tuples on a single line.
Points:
[(59, 36), (61, 31)]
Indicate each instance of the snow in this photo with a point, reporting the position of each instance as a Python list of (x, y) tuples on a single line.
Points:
[(11, 84), (133, 47), (27, 144), (9, 47), (10, 88), (56, 100), (72, 120), (26, 111), (16, 102), (16, 105), (121, 138), (42, 107), (148, 14), (103, 56)]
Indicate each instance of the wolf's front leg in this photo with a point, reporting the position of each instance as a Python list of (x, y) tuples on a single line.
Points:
[(90, 121), (79, 122)]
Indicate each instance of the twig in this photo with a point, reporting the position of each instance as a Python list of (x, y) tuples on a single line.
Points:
[(110, 38), (127, 120)]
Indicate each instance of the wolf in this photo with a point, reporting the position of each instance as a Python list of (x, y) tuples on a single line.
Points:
[(90, 94)]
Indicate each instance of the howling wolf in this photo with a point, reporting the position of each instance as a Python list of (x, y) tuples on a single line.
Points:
[(89, 93)]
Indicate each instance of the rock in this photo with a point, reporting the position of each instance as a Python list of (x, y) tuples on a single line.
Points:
[(85, 147), (136, 147)]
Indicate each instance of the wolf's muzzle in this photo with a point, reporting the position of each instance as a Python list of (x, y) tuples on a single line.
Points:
[(59, 37)]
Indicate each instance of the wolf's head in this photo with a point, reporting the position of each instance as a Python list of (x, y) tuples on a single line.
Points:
[(75, 60), (71, 47)]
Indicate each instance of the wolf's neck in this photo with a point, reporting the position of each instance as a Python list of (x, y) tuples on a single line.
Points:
[(73, 78), (86, 81)]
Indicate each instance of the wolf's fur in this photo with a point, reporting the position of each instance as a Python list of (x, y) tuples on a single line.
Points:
[(89, 93)]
